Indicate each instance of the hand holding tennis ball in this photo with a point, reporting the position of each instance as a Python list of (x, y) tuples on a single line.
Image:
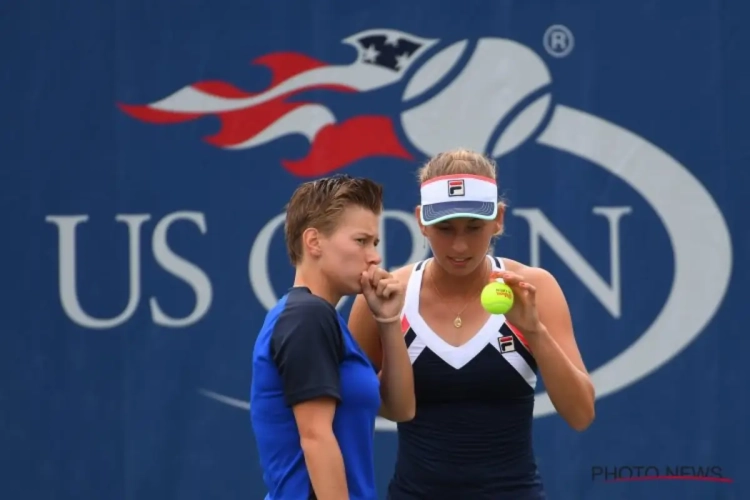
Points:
[(513, 296), (497, 297)]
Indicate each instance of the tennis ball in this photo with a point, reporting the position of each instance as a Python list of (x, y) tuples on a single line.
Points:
[(497, 298)]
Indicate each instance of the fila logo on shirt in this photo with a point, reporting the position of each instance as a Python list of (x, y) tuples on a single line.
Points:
[(507, 344), (456, 188)]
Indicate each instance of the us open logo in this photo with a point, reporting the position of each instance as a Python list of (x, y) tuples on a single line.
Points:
[(456, 188), (470, 72)]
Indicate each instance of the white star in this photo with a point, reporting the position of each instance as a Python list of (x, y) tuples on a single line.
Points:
[(402, 61), (391, 38), (370, 54)]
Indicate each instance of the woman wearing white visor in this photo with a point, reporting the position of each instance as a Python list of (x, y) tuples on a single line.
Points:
[(475, 373)]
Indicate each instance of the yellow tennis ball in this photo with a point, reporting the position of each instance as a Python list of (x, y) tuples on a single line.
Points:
[(497, 298)]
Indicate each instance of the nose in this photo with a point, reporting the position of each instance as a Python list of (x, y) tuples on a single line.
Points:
[(459, 245), (374, 257)]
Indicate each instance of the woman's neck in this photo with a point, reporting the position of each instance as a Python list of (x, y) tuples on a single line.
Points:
[(312, 278)]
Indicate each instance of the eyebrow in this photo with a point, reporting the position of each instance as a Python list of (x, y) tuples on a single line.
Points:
[(368, 235)]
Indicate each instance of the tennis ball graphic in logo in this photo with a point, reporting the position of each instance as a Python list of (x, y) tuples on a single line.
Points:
[(489, 99)]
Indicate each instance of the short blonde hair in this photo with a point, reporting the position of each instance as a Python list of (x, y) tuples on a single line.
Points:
[(319, 204), (458, 161)]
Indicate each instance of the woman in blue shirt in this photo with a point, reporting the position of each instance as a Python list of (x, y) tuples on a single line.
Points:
[(315, 394)]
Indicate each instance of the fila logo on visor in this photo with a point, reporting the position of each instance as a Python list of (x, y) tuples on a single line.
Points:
[(456, 188)]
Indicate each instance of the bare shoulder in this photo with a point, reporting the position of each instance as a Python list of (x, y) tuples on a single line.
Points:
[(550, 297), (403, 273)]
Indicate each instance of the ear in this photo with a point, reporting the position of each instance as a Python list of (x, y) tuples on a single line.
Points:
[(418, 216), (311, 242), (500, 219)]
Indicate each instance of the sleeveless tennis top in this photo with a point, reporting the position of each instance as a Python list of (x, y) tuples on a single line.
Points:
[(471, 437)]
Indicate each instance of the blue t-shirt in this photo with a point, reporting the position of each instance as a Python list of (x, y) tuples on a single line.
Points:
[(305, 351)]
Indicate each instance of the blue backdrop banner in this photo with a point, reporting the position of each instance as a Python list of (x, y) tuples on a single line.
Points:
[(149, 148)]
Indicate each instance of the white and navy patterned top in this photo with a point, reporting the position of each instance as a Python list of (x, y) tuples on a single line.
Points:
[(471, 437)]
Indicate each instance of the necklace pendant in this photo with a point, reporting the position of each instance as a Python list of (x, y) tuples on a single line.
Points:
[(457, 322)]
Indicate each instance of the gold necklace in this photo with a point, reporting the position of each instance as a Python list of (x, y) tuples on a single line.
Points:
[(456, 322)]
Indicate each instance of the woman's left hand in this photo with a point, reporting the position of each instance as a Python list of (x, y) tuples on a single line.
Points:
[(523, 315)]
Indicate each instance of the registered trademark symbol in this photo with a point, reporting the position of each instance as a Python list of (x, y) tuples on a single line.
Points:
[(558, 41)]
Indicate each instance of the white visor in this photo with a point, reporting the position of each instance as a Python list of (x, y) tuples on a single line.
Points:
[(452, 196)]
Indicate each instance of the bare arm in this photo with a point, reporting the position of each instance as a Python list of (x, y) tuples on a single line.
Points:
[(364, 329), (307, 348), (325, 465), (396, 376), (384, 345), (556, 352)]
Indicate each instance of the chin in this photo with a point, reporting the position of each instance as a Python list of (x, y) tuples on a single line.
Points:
[(352, 288), (459, 269)]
